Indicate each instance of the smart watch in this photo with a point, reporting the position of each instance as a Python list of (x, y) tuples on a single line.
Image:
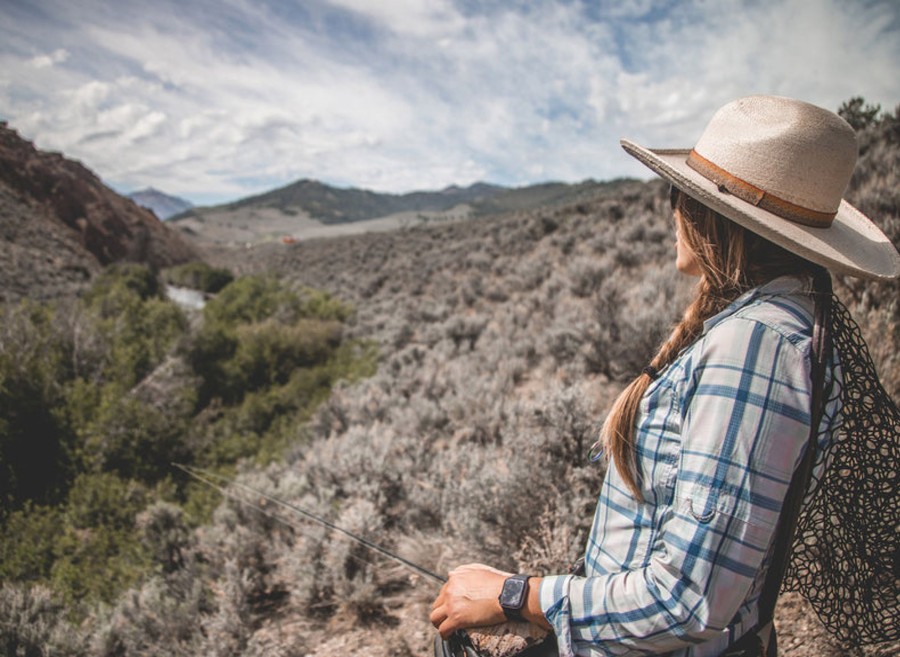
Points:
[(513, 595)]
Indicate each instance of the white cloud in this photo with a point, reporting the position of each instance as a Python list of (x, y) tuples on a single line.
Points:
[(89, 95), (823, 51), (58, 56), (234, 98), (418, 18)]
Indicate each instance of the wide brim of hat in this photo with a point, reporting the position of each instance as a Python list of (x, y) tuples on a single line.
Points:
[(851, 245)]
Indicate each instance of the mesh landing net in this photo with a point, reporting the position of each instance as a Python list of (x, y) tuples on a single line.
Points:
[(846, 554)]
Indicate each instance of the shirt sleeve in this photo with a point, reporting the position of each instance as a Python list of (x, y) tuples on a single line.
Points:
[(745, 422)]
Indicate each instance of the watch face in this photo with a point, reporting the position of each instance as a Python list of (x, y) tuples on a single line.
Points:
[(513, 592)]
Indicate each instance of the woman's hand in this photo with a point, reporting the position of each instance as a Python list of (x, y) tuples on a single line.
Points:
[(470, 598)]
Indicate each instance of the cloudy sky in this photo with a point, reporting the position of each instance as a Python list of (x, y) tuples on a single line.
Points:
[(213, 100)]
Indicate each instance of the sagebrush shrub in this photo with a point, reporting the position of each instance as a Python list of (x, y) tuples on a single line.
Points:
[(33, 624)]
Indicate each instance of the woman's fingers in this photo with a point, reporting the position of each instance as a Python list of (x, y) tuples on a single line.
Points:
[(469, 598), (443, 623), (438, 616), (447, 629), (447, 623), (438, 613)]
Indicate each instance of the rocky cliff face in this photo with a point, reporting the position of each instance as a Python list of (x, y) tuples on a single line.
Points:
[(59, 223)]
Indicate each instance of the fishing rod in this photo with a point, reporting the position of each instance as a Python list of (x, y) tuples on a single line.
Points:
[(208, 478), (460, 645)]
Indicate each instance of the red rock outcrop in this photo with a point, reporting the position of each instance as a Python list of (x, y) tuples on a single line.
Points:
[(59, 223)]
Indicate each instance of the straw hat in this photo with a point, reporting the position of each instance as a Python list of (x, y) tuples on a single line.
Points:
[(779, 167)]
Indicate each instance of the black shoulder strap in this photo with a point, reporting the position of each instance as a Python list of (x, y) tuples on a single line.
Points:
[(790, 512)]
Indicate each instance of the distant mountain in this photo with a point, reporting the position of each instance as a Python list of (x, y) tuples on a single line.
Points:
[(309, 208), (546, 195), (59, 224), (163, 205), (334, 205)]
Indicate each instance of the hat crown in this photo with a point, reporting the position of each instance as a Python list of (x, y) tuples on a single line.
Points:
[(788, 148)]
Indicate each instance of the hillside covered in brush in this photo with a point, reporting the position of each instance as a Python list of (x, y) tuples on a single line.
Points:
[(501, 343), (59, 224)]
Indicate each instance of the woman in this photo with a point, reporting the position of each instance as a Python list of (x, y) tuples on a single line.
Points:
[(703, 444)]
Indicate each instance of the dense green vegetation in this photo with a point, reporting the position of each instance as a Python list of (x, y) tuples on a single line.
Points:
[(198, 276), (99, 396)]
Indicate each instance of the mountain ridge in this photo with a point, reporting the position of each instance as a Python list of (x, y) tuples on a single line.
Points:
[(309, 208), (330, 204)]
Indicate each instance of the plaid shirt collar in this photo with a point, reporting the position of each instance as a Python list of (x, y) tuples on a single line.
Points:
[(783, 285)]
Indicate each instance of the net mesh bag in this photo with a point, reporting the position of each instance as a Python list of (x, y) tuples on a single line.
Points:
[(845, 557)]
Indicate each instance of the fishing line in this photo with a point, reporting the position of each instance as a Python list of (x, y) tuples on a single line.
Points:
[(269, 514), (205, 476)]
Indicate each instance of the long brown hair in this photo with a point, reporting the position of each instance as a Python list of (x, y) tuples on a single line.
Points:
[(731, 260)]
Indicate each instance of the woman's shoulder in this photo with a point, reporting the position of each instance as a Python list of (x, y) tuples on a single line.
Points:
[(781, 309), (756, 326)]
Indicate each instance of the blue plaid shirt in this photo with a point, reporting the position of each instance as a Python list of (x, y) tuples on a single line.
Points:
[(718, 437)]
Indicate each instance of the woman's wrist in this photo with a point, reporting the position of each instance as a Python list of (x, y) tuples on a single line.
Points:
[(532, 609)]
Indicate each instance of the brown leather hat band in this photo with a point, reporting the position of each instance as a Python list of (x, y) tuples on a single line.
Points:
[(758, 197)]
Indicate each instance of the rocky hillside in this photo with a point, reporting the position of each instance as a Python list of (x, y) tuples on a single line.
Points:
[(59, 224)]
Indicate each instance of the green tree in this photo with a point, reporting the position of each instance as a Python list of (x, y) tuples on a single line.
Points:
[(136, 323), (28, 541), (98, 553), (198, 276), (36, 443), (858, 113)]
